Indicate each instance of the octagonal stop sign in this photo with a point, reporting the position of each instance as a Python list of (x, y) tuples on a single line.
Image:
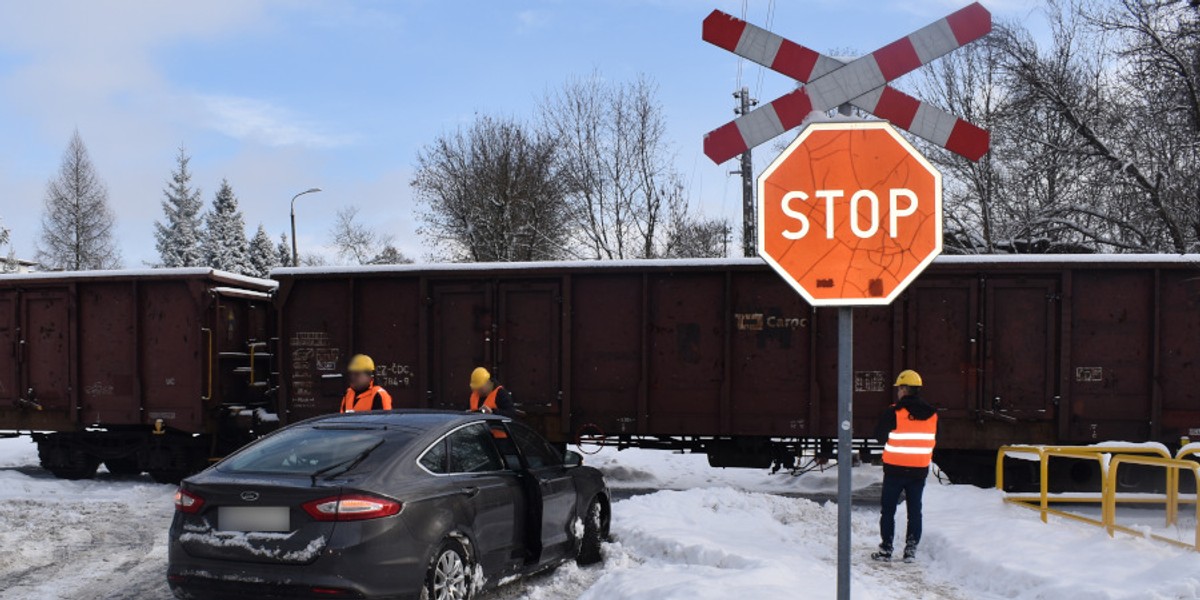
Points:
[(850, 213)]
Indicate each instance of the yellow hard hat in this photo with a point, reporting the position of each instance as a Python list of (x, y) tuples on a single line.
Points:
[(479, 378), (908, 377), (361, 363)]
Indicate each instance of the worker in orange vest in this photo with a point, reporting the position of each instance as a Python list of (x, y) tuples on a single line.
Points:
[(487, 397), (363, 394), (908, 430)]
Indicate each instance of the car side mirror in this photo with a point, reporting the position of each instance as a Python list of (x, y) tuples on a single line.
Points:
[(572, 459)]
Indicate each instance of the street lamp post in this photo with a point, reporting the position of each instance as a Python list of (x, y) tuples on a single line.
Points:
[(295, 254)]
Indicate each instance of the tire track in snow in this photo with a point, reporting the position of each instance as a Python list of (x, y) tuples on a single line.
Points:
[(58, 549)]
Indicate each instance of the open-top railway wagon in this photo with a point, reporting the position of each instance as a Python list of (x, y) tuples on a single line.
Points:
[(154, 370), (721, 356), (163, 370)]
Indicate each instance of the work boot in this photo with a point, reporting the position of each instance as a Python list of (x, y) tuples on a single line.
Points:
[(910, 552), (884, 554)]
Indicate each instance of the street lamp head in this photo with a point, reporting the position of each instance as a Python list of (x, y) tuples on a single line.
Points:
[(311, 190)]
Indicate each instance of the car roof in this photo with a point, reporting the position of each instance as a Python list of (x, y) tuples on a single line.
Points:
[(412, 419)]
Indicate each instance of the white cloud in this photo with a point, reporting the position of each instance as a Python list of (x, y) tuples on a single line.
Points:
[(529, 20), (248, 119)]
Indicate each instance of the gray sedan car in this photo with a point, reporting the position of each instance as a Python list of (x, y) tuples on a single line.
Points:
[(397, 504)]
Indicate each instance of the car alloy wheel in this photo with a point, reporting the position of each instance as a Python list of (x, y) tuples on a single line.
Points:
[(450, 576)]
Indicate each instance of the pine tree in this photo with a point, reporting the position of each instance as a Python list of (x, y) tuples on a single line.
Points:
[(263, 254), (224, 243), (284, 251), (178, 236), (77, 224)]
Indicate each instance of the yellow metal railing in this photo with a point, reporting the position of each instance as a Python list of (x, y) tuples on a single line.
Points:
[(1107, 496), (1173, 466)]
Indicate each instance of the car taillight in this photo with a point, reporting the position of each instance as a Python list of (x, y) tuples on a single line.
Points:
[(187, 502), (351, 507)]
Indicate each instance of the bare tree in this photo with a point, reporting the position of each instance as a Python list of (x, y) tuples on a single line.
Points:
[(1121, 77), (358, 243), (491, 192), (1017, 197), (964, 83), (77, 224), (8, 262), (617, 164), (355, 242), (692, 236), (624, 196)]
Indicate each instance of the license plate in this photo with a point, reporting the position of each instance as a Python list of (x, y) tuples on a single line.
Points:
[(254, 518)]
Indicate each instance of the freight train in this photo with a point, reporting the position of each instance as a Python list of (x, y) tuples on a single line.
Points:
[(713, 356)]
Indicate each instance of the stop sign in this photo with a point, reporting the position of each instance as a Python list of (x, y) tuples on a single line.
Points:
[(849, 213)]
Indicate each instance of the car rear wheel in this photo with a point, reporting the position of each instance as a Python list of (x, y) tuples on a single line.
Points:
[(593, 534), (449, 576)]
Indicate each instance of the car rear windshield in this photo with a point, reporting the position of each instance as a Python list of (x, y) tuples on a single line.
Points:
[(307, 450)]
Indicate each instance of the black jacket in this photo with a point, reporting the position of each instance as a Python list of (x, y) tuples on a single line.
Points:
[(504, 403), (917, 409)]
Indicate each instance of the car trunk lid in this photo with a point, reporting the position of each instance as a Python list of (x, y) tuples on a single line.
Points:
[(256, 522)]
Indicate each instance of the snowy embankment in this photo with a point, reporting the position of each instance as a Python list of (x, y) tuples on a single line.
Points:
[(103, 538), (711, 539), (635, 469)]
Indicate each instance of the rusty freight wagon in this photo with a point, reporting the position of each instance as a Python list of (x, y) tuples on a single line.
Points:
[(722, 357), (154, 370)]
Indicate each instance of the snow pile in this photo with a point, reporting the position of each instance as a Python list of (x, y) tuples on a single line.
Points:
[(1002, 551), (726, 543), (722, 543), (105, 538), (635, 468), (17, 452)]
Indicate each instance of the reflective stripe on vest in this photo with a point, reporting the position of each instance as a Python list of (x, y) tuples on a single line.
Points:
[(489, 402), (911, 443)]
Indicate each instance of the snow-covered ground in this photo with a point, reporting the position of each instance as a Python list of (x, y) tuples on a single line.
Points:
[(635, 469), (718, 534), (103, 538)]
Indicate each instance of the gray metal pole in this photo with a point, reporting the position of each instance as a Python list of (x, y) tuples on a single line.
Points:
[(295, 255), (746, 170), (845, 436)]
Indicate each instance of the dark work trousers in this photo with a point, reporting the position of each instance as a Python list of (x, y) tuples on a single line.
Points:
[(912, 487)]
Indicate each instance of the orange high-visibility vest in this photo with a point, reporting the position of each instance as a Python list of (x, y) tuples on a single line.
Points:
[(911, 443), (489, 402), (366, 400)]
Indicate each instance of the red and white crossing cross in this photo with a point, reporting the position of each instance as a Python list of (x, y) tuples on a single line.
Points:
[(861, 82)]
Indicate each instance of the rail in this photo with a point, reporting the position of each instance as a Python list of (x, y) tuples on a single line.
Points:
[(1109, 459)]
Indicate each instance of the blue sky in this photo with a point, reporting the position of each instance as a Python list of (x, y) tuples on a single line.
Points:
[(279, 97)]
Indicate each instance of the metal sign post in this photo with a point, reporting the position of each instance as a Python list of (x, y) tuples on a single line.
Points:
[(845, 437)]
